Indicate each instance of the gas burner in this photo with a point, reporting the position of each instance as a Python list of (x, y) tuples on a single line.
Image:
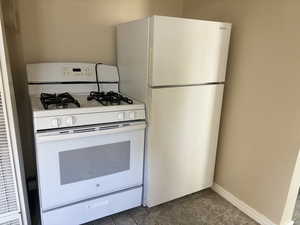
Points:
[(60, 101), (109, 98)]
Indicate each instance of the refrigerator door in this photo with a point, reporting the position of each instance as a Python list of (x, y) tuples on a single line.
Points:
[(187, 51), (182, 141)]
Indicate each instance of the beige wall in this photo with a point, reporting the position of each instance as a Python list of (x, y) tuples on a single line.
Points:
[(260, 130), (81, 30), (67, 30), (15, 47)]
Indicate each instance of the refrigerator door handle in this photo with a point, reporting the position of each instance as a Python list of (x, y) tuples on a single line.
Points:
[(188, 85)]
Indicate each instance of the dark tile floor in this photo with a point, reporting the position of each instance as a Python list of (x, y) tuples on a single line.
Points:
[(202, 208), (297, 212)]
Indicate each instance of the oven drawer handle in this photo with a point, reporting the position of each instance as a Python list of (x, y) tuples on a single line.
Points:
[(47, 138)]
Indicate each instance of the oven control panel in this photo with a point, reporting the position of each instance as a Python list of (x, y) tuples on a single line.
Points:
[(127, 116), (66, 121), (53, 122), (80, 70)]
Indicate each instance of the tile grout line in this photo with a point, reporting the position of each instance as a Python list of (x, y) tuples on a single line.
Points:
[(112, 219), (134, 220), (238, 210), (148, 213), (128, 214)]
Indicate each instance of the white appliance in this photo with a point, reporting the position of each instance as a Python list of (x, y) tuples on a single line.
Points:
[(89, 158), (177, 67)]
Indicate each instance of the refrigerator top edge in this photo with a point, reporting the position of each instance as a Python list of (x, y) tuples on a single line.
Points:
[(225, 24), (133, 21)]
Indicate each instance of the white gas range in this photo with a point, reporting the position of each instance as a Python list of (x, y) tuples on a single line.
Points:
[(89, 144)]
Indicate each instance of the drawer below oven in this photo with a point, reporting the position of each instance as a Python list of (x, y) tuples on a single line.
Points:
[(90, 210)]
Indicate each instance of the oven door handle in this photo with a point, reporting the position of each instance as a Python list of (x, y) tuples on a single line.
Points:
[(58, 137)]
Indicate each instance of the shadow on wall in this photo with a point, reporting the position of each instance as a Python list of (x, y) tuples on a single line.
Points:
[(75, 30), (66, 30), (15, 50)]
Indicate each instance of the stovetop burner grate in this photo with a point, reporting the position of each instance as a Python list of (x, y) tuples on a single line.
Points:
[(109, 98), (59, 100)]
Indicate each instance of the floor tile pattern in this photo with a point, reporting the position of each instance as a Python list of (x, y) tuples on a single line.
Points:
[(202, 208)]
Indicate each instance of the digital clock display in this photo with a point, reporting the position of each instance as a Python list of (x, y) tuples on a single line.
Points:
[(77, 70)]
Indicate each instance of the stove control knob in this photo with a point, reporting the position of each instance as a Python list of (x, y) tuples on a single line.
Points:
[(55, 122), (68, 120), (121, 116), (131, 115)]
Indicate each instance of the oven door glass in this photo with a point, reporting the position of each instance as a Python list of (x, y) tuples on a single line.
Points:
[(96, 161), (76, 167)]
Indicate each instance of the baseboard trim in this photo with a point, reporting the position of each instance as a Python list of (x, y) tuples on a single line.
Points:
[(291, 223), (252, 213)]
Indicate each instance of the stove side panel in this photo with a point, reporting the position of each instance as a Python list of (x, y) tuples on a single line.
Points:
[(133, 58)]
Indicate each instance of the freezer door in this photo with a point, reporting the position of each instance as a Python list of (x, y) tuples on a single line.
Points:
[(187, 51), (182, 141)]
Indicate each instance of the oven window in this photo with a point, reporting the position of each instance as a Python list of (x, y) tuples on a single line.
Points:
[(87, 163)]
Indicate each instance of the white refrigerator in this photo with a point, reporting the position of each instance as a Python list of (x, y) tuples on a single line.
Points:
[(177, 68)]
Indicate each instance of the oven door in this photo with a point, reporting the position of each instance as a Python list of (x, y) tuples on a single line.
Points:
[(86, 162)]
